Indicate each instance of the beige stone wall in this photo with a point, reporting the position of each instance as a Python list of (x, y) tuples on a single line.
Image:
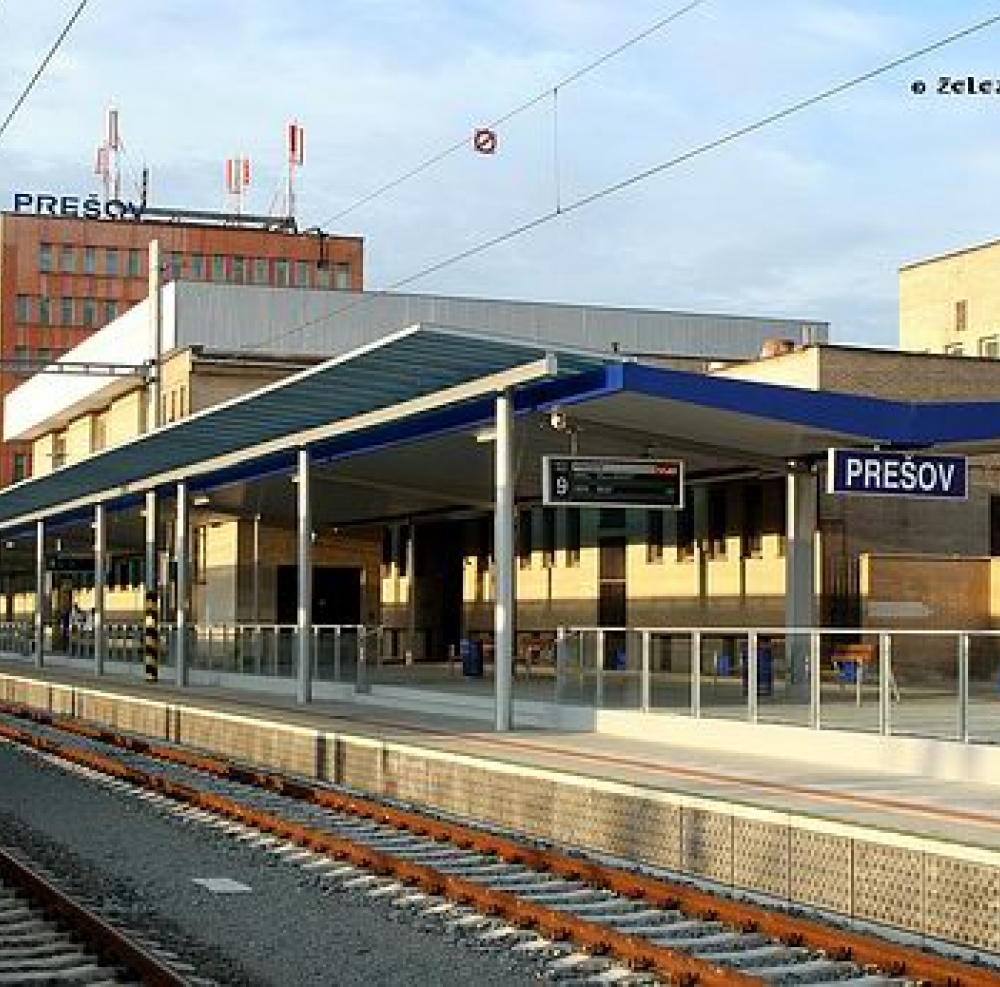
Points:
[(80, 438), (928, 292), (126, 418), (43, 454)]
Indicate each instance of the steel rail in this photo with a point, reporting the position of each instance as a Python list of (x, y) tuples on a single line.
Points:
[(99, 934), (640, 954), (863, 949)]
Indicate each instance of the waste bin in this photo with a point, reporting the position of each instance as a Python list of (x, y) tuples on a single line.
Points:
[(765, 668), (471, 652)]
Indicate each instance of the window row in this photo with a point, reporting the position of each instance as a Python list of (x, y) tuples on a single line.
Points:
[(88, 313), (988, 346), (236, 269)]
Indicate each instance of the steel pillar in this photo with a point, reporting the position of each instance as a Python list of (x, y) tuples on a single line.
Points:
[(100, 568), (503, 541), (181, 553), (304, 561), (39, 593)]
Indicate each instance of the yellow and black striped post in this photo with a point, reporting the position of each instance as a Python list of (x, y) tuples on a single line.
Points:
[(152, 639)]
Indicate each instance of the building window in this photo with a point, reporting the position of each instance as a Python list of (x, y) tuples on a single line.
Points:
[(199, 559), (45, 258), (953, 349), (44, 311), (100, 437), (66, 311), (654, 536), (281, 273), (89, 312), (134, 263), (218, 267), (44, 356), (302, 274), (685, 529), (67, 259), (524, 538), (111, 263), (323, 277), (717, 522), (89, 261), (572, 536), (961, 315), (182, 408), (753, 521), (20, 466), (989, 346), (548, 537), (22, 309), (342, 276), (58, 451), (21, 353), (260, 273), (239, 270), (198, 267), (110, 310), (176, 266)]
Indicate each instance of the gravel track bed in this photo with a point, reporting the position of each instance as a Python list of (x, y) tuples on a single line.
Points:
[(137, 867)]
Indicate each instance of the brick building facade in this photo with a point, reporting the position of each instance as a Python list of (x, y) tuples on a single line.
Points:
[(62, 278)]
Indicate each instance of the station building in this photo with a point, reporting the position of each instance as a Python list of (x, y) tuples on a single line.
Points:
[(950, 303), (64, 276), (309, 454)]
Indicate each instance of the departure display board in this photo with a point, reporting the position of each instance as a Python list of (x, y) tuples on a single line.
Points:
[(602, 481)]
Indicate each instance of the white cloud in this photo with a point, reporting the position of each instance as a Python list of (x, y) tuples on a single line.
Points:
[(808, 218)]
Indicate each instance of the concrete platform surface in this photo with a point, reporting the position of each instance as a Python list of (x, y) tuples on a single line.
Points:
[(913, 805)]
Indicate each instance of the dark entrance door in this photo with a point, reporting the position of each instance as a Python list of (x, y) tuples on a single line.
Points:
[(438, 561), (336, 595)]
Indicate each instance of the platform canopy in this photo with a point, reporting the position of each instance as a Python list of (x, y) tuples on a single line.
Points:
[(406, 420)]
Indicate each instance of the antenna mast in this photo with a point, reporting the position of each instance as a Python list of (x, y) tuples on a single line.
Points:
[(296, 159), (108, 164), (237, 181)]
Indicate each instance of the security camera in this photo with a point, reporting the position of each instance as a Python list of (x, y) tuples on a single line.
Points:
[(557, 419)]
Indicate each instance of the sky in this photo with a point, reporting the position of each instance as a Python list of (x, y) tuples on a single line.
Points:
[(807, 219)]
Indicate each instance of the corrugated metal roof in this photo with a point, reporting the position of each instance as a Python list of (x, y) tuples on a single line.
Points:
[(415, 363)]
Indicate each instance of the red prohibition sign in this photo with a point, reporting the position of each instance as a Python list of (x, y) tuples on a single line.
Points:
[(485, 140)]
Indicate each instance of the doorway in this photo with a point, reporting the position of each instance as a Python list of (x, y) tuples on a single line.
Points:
[(336, 594)]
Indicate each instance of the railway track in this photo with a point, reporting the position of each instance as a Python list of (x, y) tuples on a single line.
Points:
[(591, 921), (49, 937)]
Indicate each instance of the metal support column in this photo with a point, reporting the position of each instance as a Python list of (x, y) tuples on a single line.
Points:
[(696, 674), (304, 561), (39, 594), (411, 575), (963, 688), (645, 688), (151, 637), (155, 414), (182, 561), (884, 677), (503, 542), (100, 568), (802, 506), (815, 683)]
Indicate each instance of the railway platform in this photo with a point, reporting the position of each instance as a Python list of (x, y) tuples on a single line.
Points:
[(907, 850)]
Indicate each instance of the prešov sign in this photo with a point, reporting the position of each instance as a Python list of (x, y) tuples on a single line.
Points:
[(897, 474), (598, 481), (91, 207)]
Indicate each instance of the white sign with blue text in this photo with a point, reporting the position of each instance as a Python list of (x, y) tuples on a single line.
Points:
[(897, 474)]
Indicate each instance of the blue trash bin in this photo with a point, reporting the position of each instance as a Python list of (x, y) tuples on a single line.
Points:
[(765, 668), (471, 652)]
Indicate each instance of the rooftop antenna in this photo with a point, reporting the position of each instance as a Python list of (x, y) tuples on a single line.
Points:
[(296, 159), (237, 181), (108, 164)]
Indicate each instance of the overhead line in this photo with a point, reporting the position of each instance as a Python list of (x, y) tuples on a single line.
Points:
[(41, 68), (510, 114), (640, 176)]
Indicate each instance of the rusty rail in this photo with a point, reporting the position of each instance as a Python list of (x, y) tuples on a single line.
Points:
[(105, 938), (866, 950)]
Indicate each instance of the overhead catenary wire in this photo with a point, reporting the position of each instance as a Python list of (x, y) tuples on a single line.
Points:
[(463, 142), (645, 174), (42, 66)]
